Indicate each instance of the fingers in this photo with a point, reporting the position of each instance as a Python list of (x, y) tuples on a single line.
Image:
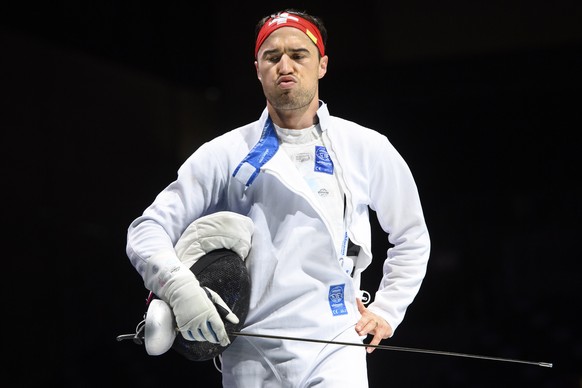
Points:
[(373, 324), (217, 330), (222, 308), (361, 307), (211, 330), (210, 327), (223, 311), (368, 322), (227, 314), (375, 341), (371, 327), (367, 325)]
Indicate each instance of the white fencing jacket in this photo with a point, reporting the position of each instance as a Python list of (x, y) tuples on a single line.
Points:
[(298, 285)]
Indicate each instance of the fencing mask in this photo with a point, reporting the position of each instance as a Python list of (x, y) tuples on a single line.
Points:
[(224, 272), (214, 247)]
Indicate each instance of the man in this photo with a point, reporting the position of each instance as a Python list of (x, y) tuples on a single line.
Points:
[(306, 180)]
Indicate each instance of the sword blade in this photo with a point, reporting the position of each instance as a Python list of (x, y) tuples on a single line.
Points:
[(394, 348)]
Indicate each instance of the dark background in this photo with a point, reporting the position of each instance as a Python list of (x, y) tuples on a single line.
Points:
[(101, 102)]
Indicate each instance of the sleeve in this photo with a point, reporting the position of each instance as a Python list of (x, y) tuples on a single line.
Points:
[(196, 191), (395, 199)]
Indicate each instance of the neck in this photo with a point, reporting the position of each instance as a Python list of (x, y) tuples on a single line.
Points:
[(295, 118)]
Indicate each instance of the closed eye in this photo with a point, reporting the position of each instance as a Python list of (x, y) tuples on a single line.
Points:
[(274, 56)]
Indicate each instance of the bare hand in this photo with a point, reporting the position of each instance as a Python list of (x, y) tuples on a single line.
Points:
[(372, 324)]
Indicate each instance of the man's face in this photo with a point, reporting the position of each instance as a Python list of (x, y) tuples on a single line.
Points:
[(289, 69)]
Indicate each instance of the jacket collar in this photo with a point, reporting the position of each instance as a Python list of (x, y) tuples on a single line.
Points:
[(267, 146), (322, 115)]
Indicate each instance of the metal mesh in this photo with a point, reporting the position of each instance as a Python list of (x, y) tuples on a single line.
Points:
[(224, 272)]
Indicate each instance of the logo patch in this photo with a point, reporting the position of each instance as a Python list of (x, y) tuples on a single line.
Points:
[(282, 18), (323, 162), (302, 157), (336, 300)]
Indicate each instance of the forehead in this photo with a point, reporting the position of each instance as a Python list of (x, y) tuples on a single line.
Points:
[(288, 37)]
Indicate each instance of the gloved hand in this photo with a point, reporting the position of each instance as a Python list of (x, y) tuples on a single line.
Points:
[(193, 306)]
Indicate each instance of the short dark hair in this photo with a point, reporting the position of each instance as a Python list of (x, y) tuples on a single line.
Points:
[(317, 21)]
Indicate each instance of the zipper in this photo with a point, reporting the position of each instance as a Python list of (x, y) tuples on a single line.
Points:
[(348, 210), (307, 195)]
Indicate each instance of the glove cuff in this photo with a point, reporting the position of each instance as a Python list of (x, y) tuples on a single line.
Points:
[(161, 267)]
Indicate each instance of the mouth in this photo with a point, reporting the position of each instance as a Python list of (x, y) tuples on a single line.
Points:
[(286, 82)]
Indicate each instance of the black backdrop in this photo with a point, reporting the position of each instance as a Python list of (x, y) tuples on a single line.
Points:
[(102, 102)]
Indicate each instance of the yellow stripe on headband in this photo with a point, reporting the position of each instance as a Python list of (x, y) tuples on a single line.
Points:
[(311, 36)]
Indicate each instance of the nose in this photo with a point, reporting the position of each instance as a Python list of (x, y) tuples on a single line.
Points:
[(285, 64)]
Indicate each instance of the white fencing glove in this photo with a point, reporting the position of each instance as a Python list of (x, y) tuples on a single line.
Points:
[(169, 277), (193, 306)]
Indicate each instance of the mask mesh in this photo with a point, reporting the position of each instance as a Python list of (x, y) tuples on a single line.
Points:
[(224, 272)]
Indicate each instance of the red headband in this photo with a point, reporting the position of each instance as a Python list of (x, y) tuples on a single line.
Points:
[(286, 19)]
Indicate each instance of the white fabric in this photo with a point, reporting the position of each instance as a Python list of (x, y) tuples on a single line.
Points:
[(294, 262), (264, 366), (215, 231), (299, 145)]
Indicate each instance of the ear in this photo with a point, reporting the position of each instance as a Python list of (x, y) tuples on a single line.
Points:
[(257, 69), (323, 66)]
